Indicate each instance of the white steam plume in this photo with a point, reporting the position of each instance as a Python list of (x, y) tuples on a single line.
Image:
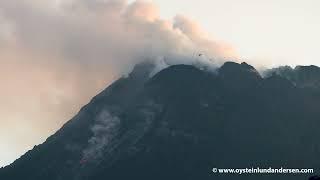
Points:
[(105, 128), (55, 55)]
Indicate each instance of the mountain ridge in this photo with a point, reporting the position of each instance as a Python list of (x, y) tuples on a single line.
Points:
[(141, 117)]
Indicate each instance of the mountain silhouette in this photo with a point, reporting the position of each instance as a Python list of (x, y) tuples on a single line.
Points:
[(301, 76), (183, 122)]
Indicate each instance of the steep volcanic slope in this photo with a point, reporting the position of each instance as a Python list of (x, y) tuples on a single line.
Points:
[(62, 154), (302, 76), (180, 124)]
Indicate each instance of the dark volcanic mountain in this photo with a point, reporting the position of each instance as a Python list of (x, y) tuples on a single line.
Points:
[(301, 76), (181, 123)]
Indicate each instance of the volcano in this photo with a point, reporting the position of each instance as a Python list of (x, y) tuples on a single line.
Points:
[(181, 123)]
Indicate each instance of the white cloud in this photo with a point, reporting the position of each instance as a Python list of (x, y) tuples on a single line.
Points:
[(55, 55)]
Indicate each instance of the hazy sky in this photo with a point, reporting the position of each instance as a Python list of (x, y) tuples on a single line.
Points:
[(56, 55), (271, 31)]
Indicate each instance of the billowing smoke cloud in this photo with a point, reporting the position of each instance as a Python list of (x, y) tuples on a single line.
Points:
[(55, 55), (105, 128)]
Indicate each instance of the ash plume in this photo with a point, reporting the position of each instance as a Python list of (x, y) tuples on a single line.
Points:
[(105, 128), (56, 55)]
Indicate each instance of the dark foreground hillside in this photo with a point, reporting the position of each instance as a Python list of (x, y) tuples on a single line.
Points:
[(183, 122)]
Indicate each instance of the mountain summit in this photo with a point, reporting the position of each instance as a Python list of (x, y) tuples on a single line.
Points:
[(181, 123)]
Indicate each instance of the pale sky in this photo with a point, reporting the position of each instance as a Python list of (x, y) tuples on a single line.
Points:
[(275, 31), (54, 58)]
